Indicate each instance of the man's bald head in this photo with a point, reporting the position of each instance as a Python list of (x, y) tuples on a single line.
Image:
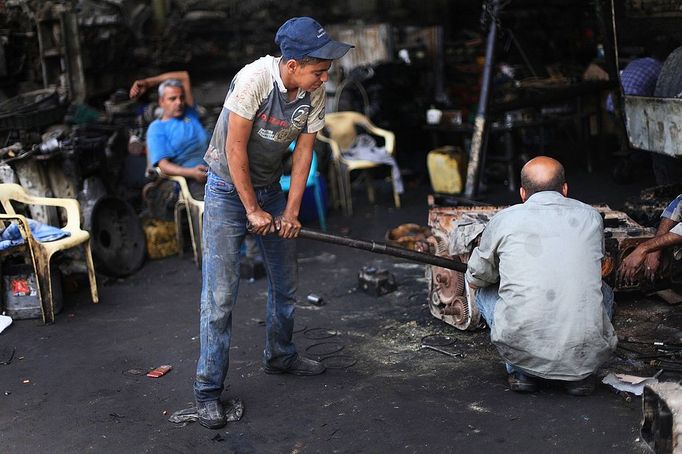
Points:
[(542, 174)]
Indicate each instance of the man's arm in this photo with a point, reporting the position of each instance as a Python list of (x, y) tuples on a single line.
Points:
[(633, 262), (239, 130), (140, 86), (197, 173), (288, 225), (653, 259), (483, 265)]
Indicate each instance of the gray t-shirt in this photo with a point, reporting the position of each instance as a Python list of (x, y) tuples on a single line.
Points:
[(257, 93)]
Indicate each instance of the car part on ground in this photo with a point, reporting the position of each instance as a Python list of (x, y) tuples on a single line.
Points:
[(661, 423)]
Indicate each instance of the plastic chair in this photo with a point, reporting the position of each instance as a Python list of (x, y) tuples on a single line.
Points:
[(341, 127), (313, 181), (194, 209), (41, 253)]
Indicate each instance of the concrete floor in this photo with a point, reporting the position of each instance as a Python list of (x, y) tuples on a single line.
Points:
[(81, 395)]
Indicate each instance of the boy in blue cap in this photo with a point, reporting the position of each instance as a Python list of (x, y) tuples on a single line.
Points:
[(270, 103)]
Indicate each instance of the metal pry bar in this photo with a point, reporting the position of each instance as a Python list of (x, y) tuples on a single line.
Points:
[(381, 248)]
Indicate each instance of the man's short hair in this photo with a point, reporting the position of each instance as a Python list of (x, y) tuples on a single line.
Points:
[(169, 83), (555, 183)]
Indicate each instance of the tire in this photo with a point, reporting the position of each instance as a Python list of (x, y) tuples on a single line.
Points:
[(669, 84)]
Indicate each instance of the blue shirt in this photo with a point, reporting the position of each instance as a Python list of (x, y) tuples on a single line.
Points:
[(638, 78), (182, 140), (674, 212)]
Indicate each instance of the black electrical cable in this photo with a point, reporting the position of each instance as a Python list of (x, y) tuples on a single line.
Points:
[(319, 333), (327, 348), (299, 330), (338, 361)]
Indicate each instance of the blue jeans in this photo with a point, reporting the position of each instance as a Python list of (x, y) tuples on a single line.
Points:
[(486, 299), (224, 230)]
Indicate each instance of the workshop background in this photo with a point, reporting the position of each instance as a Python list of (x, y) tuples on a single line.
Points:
[(69, 130)]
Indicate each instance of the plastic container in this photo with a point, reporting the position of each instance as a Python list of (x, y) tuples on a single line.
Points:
[(433, 116), (20, 296), (447, 168)]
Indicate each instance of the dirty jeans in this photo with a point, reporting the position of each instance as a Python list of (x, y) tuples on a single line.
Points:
[(224, 230), (486, 299)]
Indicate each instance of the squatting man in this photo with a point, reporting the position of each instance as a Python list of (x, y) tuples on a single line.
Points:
[(537, 280)]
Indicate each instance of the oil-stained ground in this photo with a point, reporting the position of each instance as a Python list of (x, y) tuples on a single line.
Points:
[(72, 386)]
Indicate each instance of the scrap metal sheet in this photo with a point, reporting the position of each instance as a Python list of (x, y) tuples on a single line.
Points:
[(655, 124)]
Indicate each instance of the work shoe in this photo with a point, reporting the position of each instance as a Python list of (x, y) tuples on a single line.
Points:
[(583, 387), (521, 383), (211, 414), (299, 366)]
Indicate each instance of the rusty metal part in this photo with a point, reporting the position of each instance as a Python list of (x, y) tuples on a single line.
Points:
[(661, 422), (407, 235), (376, 282), (448, 284)]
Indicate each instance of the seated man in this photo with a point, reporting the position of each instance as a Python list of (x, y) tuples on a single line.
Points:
[(537, 276), (176, 142), (647, 255)]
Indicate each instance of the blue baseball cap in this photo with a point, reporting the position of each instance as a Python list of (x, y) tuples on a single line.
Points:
[(301, 37)]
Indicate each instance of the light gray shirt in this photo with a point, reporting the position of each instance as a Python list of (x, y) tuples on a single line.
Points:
[(546, 255), (674, 212)]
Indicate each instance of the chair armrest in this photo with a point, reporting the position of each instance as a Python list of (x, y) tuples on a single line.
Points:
[(182, 182), (334, 145), (388, 136), (24, 228), (72, 207)]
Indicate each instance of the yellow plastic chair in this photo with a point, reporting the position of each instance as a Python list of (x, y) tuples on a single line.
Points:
[(194, 210), (342, 133), (41, 253)]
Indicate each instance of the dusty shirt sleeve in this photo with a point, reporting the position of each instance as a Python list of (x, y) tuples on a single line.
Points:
[(483, 265), (318, 98), (673, 210), (250, 88)]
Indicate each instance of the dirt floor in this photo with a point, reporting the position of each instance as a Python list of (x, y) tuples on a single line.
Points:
[(75, 386)]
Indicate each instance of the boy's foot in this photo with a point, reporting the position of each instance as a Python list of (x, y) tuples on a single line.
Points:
[(299, 366), (211, 414)]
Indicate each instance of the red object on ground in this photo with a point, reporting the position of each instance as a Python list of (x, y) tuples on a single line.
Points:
[(159, 371)]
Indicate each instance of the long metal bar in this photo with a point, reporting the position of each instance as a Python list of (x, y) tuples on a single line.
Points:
[(381, 248), (480, 137)]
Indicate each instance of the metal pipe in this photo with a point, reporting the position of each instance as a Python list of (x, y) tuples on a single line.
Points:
[(381, 248), (481, 126)]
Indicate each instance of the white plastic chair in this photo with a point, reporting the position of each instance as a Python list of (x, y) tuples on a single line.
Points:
[(342, 132), (194, 210), (41, 253)]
